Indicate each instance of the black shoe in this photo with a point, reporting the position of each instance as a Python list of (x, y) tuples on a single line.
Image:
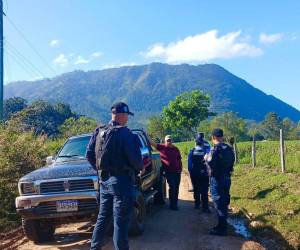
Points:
[(197, 207), (206, 210), (217, 231)]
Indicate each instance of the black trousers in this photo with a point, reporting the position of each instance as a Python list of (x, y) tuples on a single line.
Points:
[(200, 186), (173, 180)]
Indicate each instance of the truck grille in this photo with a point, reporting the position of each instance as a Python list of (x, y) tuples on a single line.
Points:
[(83, 184), (83, 205), (52, 187), (67, 185)]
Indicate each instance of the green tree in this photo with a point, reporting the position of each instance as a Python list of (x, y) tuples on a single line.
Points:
[(155, 128), (43, 118), (270, 126), (12, 106), (183, 115), (75, 126), (232, 125)]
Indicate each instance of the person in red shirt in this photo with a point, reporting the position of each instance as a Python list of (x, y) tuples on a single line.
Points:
[(172, 166)]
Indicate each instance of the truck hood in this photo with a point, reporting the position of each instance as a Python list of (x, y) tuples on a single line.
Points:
[(76, 168)]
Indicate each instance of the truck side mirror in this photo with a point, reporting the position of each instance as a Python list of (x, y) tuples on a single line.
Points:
[(49, 160)]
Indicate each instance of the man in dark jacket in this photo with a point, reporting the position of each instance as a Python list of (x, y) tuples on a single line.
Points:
[(116, 182), (172, 166), (198, 172), (220, 161)]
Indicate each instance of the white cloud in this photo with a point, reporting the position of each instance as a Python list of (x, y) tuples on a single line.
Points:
[(270, 38), (54, 43), (61, 60), (96, 54), (81, 60), (204, 47)]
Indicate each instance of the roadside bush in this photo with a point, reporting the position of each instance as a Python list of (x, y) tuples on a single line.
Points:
[(20, 153)]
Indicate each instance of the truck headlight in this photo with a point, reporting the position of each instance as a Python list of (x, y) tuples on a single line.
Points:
[(27, 188)]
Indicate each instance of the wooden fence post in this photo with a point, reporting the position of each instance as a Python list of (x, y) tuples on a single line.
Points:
[(254, 152), (235, 149), (282, 153)]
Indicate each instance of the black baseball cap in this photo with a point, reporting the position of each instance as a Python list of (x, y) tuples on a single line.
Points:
[(217, 132), (199, 138), (120, 108)]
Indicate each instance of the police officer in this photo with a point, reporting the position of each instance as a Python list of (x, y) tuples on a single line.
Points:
[(198, 172), (116, 182), (220, 161)]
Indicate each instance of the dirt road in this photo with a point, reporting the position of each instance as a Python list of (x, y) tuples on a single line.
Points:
[(185, 229)]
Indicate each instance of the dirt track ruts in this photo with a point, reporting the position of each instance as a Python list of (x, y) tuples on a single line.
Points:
[(185, 229)]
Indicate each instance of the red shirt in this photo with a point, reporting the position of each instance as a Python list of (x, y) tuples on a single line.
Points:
[(170, 157)]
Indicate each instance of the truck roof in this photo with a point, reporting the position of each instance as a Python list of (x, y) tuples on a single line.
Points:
[(78, 136)]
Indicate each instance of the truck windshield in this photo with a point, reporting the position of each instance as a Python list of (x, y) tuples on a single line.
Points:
[(74, 148)]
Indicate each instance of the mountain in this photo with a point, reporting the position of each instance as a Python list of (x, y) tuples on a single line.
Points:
[(147, 88)]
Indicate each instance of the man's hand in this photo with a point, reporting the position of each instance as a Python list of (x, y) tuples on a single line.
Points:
[(142, 172), (153, 144), (205, 157)]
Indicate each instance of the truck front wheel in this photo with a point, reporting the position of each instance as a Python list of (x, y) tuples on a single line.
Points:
[(38, 230), (137, 224)]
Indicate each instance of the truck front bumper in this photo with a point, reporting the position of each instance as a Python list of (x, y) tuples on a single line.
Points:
[(44, 206)]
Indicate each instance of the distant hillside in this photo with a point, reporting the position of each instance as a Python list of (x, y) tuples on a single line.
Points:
[(147, 88)]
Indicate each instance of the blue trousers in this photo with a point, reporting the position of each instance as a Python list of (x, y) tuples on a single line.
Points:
[(220, 192), (200, 186), (117, 201), (173, 180)]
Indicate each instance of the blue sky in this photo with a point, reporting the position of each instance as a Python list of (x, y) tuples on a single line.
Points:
[(258, 41)]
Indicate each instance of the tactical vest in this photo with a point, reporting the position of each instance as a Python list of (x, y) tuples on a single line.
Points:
[(198, 162), (108, 157)]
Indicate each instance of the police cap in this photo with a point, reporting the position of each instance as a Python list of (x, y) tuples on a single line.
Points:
[(217, 132), (120, 108), (199, 139)]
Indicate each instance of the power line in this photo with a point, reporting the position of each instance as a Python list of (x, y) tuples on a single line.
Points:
[(30, 44), (30, 72), (23, 58)]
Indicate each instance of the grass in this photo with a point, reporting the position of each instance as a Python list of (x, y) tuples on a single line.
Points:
[(270, 197)]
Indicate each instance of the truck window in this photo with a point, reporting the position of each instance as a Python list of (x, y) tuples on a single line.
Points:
[(74, 148)]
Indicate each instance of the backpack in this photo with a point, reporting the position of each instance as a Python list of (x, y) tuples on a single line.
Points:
[(226, 159), (105, 148)]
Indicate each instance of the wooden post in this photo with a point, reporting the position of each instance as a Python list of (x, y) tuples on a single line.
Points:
[(235, 149), (282, 153), (254, 152)]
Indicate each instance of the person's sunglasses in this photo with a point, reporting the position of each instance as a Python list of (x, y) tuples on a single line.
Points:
[(169, 140)]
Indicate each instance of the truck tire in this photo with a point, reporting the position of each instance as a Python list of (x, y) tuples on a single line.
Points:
[(38, 230), (137, 224), (161, 188)]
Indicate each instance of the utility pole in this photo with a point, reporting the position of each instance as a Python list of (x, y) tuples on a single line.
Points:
[(1, 61)]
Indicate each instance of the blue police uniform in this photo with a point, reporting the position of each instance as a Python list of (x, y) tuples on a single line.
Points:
[(198, 173), (221, 163), (116, 188)]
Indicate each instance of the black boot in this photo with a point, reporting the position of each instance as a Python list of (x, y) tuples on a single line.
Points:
[(220, 229)]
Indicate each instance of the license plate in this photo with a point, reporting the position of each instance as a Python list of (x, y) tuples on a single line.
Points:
[(67, 206)]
